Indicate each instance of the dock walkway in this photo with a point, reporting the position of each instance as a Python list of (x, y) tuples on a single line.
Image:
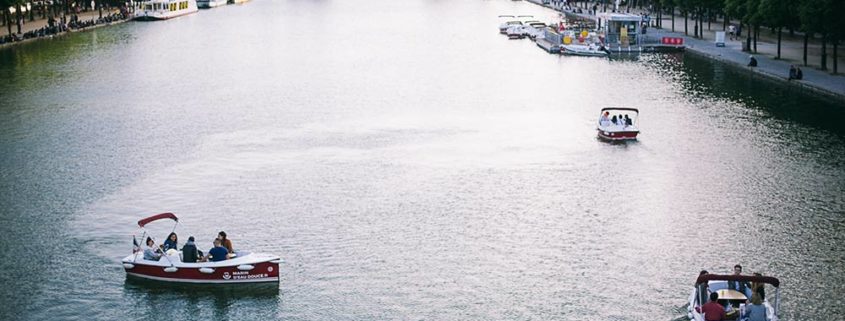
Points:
[(817, 80)]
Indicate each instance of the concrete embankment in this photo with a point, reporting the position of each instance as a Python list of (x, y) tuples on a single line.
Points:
[(819, 81), (40, 23)]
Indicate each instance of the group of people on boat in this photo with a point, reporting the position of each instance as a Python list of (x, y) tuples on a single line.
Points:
[(755, 310), (618, 120), (222, 249)]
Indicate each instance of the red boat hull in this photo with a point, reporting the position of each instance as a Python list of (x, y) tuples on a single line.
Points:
[(262, 272), (621, 135)]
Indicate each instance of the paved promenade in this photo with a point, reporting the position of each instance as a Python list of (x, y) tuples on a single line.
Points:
[(814, 79), (29, 26)]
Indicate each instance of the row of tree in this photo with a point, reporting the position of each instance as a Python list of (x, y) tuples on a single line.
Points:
[(53, 9), (825, 18), (822, 18)]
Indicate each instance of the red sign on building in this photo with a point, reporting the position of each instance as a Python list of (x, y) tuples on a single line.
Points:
[(678, 41)]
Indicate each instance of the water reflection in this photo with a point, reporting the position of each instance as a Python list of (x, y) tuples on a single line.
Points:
[(776, 99), (199, 301)]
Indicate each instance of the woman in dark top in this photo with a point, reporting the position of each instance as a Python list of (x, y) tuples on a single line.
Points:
[(170, 243)]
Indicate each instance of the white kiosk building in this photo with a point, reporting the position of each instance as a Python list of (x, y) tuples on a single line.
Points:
[(621, 31)]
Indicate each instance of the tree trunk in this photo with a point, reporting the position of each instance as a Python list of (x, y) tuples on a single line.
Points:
[(673, 19), (748, 37), (686, 25), (780, 32), (8, 20), (835, 57), (806, 37), (658, 21), (18, 17), (824, 52), (725, 19), (756, 33)]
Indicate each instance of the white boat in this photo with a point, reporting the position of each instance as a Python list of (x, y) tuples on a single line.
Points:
[(612, 128), (584, 50), (515, 32), (503, 28), (206, 4), (243, 267), (733, 301), (534, 30), (163, 9)]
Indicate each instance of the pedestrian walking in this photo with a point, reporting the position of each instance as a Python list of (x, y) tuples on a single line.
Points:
[(732, 31)]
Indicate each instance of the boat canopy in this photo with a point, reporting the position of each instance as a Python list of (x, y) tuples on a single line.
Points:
[(748, 278), (157, 217), (621, 108)]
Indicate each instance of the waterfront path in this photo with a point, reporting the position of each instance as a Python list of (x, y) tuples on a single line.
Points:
[(791, 50), (34, 25)]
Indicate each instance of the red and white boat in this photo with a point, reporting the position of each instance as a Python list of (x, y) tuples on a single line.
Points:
[(624, 129), (244, 267)]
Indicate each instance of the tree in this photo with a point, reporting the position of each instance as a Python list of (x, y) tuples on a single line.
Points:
[(18, 16), (6, 4), (754, 17), (834, 28), (776, 14), (813, 20)]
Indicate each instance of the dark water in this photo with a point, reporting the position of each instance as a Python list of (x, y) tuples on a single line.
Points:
[(407, 162)]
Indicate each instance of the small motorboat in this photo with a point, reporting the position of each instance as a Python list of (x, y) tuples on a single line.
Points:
[(243, 267), (584, 50), (507, 22), (515, 32), (733, 300), (613, 127)]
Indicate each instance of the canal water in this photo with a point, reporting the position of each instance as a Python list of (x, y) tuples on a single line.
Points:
[(407, 162)]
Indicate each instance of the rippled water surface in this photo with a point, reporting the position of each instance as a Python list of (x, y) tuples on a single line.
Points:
[(407, 162)]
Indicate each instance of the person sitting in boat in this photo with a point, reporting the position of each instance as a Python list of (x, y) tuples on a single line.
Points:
[(170, 242), (614, 120), (741, 286), (758, 288), (150, 252), (226, 242), (217, 253), (628, 121), (603, 120), (756, 311), (713, 311), (694, 291), (190, 254)]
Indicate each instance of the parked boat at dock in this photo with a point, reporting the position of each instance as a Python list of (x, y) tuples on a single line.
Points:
[(163, 9), (584, 50), (206, 4)]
